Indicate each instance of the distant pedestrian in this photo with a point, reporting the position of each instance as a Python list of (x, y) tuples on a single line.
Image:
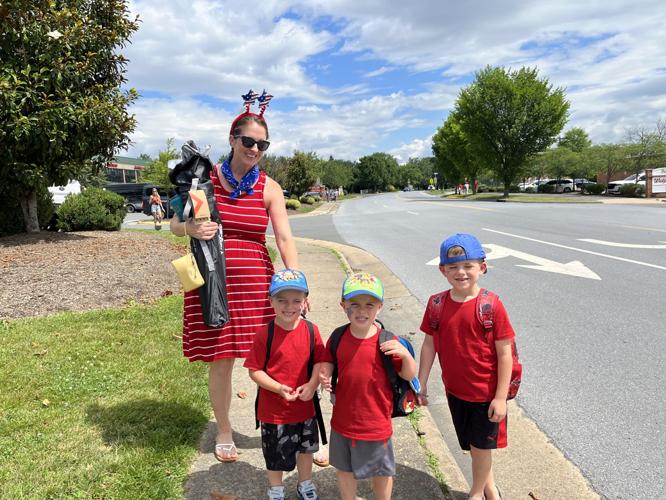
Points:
[(156, 208), (476, 185), (361, 429), (476, 370), (289, 432), (466, 186)]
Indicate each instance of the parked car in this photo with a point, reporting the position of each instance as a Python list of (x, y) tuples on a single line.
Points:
[(135, 205), (614, 186), (561, 185), (59, 193), (581, 183)]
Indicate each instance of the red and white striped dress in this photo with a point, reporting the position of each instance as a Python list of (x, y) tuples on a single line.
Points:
[(249, 271)]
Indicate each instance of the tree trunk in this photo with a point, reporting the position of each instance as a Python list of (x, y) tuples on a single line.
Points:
[(29, 208)]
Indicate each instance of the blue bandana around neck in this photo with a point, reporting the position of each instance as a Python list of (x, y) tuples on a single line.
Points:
[(245, 184)]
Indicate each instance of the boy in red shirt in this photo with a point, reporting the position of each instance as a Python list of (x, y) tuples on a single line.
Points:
[(360, 444), (476, 372), (289, 434)]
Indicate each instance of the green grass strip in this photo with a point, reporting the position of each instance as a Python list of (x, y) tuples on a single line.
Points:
[(432, 460), (100, 404)]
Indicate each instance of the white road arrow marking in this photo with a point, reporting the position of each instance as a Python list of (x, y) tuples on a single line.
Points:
[(614, 257), (573, 268), (624, 245)]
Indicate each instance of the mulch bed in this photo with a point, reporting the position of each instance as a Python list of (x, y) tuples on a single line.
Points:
[(51, 272)]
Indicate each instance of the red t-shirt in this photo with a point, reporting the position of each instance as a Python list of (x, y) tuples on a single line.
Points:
[(363, 395), (467, 357), (288, 364)]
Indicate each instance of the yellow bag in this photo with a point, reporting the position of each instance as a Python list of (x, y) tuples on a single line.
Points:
[(188, 271)]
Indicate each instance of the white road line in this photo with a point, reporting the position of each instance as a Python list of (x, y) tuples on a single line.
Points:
[(453, 204), (646, 228), (413, 213), (623, 245), (577, 249)]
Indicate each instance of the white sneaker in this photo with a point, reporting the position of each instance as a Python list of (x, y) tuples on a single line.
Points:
[(276, 493), (307, 490)]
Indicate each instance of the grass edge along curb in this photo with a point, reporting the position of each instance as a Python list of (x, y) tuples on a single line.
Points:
[(431, 459), (499, 197)]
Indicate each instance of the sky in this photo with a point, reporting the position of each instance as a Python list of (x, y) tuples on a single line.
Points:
[(354, 77)]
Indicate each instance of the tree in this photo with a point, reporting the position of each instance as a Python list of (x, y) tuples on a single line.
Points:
[(275, 167), (336, 173), (452, 144), (416, 172), (607, 158), (561, 162), (646, 147), (376, 172), (509, 116), (302, 171), (575, 139), (61, 104), (157, 171)]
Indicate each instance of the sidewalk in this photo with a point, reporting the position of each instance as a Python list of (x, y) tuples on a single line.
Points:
[(531, 464)]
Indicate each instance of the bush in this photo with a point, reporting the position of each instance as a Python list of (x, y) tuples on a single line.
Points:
[(308, 200), (316, 198), (11, 215), (93, 209), (530, 190), (546, 188), (514, 188), (293, 204), (632, 190), (391, 188), (593, 188)]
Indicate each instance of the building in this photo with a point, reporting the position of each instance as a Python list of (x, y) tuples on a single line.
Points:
[(125, 170)]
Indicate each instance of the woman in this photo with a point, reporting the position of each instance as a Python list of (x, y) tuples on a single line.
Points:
[(156, 207), (246, 198)]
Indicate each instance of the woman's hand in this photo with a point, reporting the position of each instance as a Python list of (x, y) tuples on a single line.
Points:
[(205, 231)]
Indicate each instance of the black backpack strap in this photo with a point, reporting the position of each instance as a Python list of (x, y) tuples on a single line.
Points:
[(384, 336), (315, 398), (269, 343), (333, 344)]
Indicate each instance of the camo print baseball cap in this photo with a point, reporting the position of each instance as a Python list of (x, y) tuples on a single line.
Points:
[(362, 284)]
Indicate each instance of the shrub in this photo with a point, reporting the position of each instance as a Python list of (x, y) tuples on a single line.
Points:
[(316, 198), (593, 188), (293, 204), (308, 200), (546, 188), (11, 215), (514, 188), (93, 209), (390, 188), (632, 190), (530, 190)]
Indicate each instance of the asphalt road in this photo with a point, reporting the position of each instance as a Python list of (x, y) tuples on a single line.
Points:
[(590, 315)]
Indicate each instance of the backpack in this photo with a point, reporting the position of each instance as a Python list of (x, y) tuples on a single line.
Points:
[(404, 392), (315, 398), (485, 308)]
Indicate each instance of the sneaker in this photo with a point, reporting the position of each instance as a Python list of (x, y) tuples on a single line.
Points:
[(307, 490), (276, 493)]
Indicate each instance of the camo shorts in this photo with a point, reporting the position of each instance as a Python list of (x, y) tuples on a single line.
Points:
[(281, 442)]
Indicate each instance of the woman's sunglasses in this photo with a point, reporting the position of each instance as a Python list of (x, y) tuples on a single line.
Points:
[(249, 142)]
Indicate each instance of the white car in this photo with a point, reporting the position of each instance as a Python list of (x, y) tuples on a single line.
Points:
[(561, 185), (615, 186), (59, 193)]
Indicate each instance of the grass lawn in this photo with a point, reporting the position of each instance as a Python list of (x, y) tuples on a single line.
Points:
[(522, 198), (100, 404)]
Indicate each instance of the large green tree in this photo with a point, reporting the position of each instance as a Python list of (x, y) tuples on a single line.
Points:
[(453, 146), (607, 159), (303, 170), (376, 172), (61, 101), (647, 147), (336, 173), (575, 139), (509, 116)]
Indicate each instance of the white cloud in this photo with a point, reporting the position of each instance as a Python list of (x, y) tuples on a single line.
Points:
[(418, 148)]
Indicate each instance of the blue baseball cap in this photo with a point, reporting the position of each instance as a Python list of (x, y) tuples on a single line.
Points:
[(470, 245), (362, 284), (288, 279)]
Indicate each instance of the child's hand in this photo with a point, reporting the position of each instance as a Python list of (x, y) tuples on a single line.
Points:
[(306, 391), (497, 410), (325, 379), (394, 347), (288, 393)]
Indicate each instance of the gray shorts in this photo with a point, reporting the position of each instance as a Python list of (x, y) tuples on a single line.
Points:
[(365, 459)]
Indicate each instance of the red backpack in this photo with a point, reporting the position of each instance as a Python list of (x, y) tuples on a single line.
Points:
[(485, 308)]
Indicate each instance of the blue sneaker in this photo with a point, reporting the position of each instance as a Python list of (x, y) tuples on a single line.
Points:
[(307, 490)]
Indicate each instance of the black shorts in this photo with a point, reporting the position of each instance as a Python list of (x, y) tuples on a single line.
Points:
[(473, 426), (281, 442)]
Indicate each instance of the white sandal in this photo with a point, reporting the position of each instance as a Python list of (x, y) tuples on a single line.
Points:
[(226, 452)]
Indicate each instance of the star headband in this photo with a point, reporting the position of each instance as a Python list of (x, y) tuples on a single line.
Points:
[(248, 101)]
